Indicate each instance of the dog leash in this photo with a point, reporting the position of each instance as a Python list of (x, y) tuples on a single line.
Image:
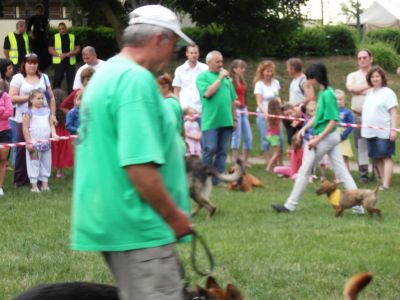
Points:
[(198, 238)]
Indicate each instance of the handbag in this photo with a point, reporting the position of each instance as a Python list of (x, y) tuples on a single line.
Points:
[(46, 92)]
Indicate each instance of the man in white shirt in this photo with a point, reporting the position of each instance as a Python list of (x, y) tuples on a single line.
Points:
[(184, 82), (90, 59), (357, 85)]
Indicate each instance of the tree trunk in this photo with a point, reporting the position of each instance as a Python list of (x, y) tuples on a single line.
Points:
[(112, 19)]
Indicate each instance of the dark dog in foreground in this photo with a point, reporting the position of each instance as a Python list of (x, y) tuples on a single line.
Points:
[(200, 182), (341, 200), (212, 291), (94, 291)]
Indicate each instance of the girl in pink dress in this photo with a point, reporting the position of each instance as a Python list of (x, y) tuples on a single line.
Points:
[(192, 133)]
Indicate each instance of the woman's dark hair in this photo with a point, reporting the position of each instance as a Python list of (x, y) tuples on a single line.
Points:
[(30, 58), (4, 63), (378, 70), (319, 73)]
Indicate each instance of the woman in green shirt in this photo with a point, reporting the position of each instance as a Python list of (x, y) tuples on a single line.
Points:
[(325, 140)]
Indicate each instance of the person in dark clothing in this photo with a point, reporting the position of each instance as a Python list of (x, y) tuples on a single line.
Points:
[(38, 31), (64, 48), (17, 45)]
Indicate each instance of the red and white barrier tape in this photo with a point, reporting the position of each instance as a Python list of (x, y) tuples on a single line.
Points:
[(19, 144), (302, 119), (12, 145)]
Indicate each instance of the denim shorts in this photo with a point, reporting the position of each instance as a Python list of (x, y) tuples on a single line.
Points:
[(380, 148), (6, 136)]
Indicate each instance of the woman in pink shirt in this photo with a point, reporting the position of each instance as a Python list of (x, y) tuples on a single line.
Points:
[(6, 111)]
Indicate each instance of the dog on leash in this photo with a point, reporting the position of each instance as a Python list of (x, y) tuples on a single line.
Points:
[(212, 291), (341, 200), (245, 183), (95, 291), (200, 182)]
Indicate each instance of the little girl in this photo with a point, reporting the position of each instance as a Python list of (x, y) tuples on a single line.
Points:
[(295, 157), (274, 132), (72, 119), (37, 125), (192, 133), (345, 116)]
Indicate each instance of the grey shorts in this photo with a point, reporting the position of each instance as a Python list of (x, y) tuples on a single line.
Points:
[(147, 274)]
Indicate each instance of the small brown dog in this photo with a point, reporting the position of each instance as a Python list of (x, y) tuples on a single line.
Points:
[(341, 200), (213, 291), (245, 183)]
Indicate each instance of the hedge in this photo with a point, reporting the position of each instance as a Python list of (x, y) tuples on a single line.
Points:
[(390, 36), (307, 41)]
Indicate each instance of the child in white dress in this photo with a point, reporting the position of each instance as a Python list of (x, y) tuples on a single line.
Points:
[(38, 126), (192, 133)]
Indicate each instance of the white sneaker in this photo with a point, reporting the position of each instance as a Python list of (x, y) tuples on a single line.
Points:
[(1, 192), (35, 190), (358, 210)]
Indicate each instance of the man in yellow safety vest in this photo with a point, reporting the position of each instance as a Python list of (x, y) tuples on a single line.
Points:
[(17, 45), (64, 48)]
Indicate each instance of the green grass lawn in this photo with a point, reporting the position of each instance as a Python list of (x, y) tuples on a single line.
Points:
[(305, 255)]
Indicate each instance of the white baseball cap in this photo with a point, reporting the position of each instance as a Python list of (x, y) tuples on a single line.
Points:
[(160, 16)]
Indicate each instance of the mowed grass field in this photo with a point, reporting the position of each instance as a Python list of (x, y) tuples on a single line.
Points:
[(304, 255)]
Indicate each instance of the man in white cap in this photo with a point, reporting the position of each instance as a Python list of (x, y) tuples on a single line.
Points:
[(130, 198)]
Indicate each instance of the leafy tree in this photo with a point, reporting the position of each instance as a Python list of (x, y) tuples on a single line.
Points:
[(249, 26), (351, 9)]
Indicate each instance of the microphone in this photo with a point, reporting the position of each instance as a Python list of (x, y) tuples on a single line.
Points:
[(222, 69)]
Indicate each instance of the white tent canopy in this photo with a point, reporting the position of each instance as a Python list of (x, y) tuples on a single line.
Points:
[(381, 14)]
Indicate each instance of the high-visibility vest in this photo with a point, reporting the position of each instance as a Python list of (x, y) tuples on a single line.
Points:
[(14, 46), (58, 48)]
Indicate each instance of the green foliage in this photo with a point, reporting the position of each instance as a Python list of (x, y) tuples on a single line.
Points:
[(309, 41), (387, 35), (101, 38), (384, 55), (312, 41), (249, 26), (341, 39)]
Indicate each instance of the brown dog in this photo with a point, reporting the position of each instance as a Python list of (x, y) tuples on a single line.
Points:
[(213, 291), (341, 200), (245, 183)]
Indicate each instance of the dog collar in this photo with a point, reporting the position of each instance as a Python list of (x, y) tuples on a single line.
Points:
[(334, 198)]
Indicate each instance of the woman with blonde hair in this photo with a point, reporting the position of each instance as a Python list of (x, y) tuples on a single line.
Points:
[(266, 88), (237, 70)]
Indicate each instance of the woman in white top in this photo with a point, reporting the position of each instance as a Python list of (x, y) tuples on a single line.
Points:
[(266, 88), (380, 110), (21, 86)]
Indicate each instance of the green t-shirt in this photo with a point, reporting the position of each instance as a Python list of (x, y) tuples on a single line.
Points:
[(123, 121), (327, 110), (175, 107), (216, 110)]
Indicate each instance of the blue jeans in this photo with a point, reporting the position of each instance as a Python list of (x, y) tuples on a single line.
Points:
[(13, 151), (243, 127), (214, 148)]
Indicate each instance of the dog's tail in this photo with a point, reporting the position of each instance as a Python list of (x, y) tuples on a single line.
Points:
[(355, 284), (235, 175)]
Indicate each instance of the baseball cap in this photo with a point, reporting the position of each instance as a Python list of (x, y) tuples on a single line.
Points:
[(160, 16)]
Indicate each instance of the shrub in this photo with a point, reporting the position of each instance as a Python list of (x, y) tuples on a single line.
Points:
[(384, 55), (341, 39), (311, 41), (101, 38), (388, 35)]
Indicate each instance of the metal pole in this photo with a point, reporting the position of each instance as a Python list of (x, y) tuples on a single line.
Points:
[(358, 19), (322, 12)]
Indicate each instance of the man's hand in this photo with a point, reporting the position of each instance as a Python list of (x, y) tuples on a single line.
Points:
[(180, 224)]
